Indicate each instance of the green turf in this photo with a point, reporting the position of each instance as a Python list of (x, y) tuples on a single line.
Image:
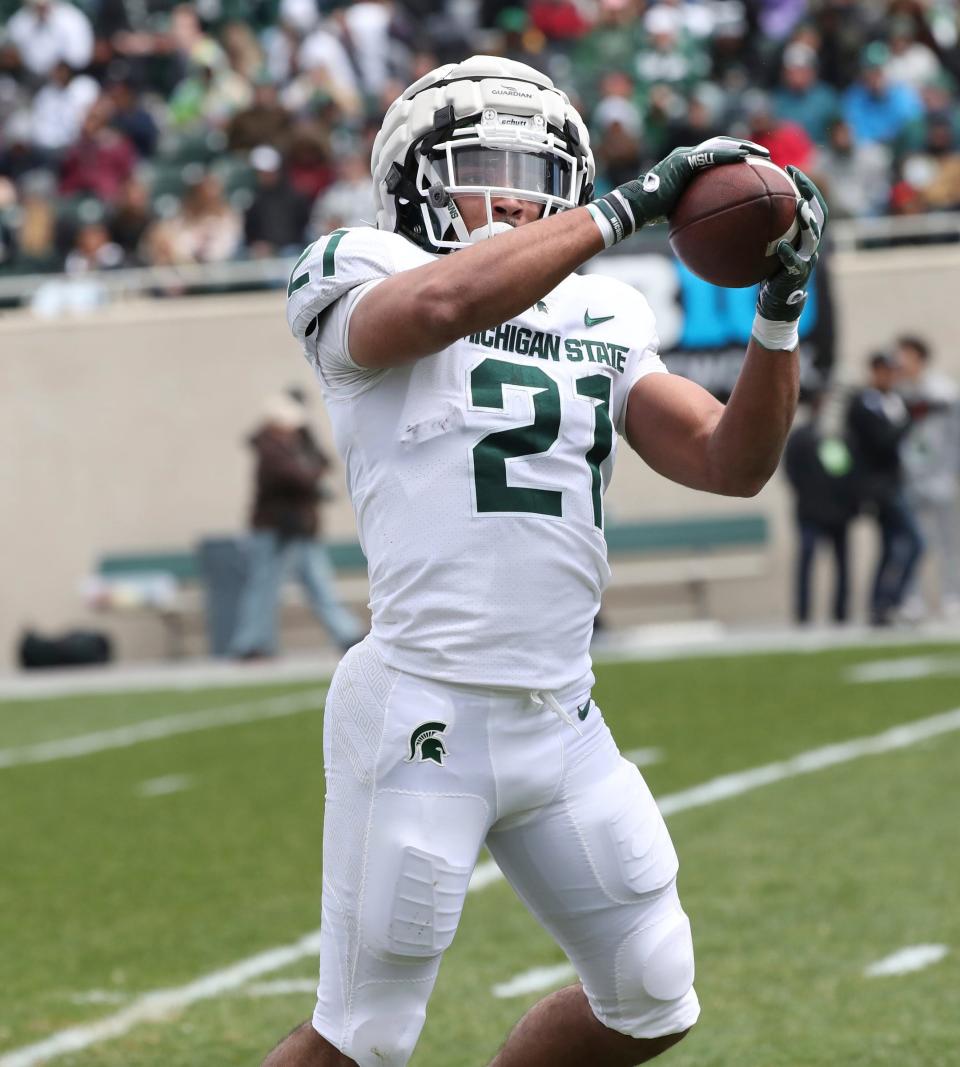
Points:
[(793, 889)]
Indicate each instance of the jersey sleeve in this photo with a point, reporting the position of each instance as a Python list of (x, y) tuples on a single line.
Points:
[(326, 284)]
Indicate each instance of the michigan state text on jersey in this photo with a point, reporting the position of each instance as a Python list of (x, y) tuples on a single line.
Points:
[(478, 388)]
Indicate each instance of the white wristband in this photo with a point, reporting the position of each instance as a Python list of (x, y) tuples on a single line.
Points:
[(776, 335), (603, 225)]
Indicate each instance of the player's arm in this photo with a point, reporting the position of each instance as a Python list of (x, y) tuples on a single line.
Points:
[(418, 312), (687, 435)]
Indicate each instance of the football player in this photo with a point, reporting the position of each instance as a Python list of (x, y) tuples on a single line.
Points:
[(477, 387)]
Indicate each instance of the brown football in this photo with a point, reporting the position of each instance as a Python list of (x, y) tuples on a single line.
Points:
[(730, 219)]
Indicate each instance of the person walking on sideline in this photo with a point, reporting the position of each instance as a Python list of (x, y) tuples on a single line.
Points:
[(931, 462), (878, 421), (820, 469), (283, 540)]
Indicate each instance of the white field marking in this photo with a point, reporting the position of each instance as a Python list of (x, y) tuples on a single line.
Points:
[(151, 1007), (644, 757), (155, 729), (158, 1005), (906, 960), (282, 987), (816, 759), (896, 670), (533, 981), (161, 787)]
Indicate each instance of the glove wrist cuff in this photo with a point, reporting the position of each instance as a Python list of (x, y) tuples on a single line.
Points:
[(777, 336), (614, 217)]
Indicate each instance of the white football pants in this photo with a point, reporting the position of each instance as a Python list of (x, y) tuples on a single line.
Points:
[(420, 775)]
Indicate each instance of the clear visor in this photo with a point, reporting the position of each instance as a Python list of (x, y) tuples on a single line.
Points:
[(473, 166)]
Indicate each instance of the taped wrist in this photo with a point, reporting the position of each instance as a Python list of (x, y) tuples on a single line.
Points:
[(614, 217), (778, 336)]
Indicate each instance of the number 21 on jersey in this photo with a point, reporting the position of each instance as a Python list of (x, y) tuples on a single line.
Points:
[(491, 453)]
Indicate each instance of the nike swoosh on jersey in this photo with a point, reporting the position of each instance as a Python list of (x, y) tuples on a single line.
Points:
[(584, 711), (589, 320)]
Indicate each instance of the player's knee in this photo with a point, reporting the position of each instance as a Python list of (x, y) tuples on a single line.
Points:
[(654, 982), (661, 966)]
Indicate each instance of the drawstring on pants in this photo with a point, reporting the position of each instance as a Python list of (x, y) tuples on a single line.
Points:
[(545, 698)]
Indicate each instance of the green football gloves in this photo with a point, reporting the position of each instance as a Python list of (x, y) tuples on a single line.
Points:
[(654, 195), (783, 294)]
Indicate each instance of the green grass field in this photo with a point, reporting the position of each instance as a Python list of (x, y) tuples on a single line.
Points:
[(111, 889)]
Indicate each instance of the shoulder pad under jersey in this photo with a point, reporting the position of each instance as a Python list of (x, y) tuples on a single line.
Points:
[(339, 262)]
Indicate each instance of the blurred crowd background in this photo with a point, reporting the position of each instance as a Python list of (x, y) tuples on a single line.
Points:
[(143, 132)]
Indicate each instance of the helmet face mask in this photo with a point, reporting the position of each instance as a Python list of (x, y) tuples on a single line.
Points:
[(477, 137), (495, 158)]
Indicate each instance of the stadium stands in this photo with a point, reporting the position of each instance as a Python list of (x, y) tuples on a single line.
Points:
[(100, 102)]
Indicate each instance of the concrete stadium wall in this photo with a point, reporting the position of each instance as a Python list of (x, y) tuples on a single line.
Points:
[(124, 429)]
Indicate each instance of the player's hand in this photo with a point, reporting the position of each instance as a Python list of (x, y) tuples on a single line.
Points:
[(654, 195), (784, 293)]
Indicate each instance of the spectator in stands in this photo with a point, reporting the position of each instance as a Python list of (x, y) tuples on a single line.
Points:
[(558, 20), (37, 232), (18, 153), (933, 173), (59, 109), (671, 56), (820, 469), (615, 40), (310, 168), (618, 104), (206, 229), (911, 62), (700, 120), (284, 538), (101, 160), (348, 201), (129, 116), (265, 121), (8, 240), (855, 177), (786, 141), (838, 34), (276, 220), (876, 109), (519, 40), (93, 250), (877, 423), (211, 94), (130, 220), (801, 97), (48, 32), (931, 462)]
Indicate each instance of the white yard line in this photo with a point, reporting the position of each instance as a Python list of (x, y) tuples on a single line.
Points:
[(162, 787), (154, 729), (534, 980), (160, 1004), (906, 960), (904, 669)]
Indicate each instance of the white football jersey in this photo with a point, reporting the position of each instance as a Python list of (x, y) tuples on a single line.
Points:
[(477, 474)]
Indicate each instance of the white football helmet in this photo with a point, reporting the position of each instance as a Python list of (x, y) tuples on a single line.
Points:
[(486, 127)]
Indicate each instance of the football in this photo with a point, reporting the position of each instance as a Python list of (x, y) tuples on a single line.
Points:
[(731, 218)]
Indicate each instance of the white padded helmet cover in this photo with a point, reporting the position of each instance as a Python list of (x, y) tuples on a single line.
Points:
[(470, 87)]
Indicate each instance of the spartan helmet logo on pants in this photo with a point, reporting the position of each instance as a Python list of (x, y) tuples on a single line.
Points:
[(426, 742)]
